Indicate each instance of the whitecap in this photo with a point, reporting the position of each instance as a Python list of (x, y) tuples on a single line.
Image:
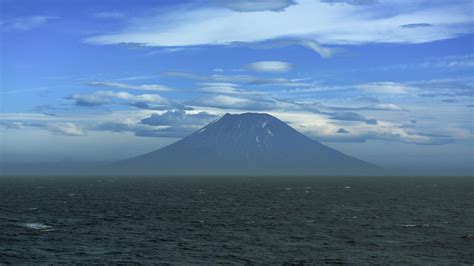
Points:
[(409, 225), (37, 226)]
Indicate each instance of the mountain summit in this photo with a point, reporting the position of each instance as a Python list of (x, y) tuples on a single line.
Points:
[(246, 144)]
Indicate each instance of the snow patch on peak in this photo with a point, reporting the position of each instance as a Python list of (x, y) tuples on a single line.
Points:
[(258, 143), (264, 124), (269, 132)]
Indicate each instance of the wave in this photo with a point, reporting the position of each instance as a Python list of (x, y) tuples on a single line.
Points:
[(37, 226)]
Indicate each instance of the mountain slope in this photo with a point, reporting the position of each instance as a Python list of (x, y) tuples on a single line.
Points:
[(246, 144)]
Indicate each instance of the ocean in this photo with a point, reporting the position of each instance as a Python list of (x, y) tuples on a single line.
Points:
[(231, 220)]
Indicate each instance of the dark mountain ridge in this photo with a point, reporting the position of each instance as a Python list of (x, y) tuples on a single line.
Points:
[(246, 144)]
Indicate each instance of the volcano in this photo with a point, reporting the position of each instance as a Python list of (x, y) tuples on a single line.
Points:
[(246, 144)]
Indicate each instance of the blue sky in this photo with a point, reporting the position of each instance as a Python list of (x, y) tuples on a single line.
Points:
[(387, 81)]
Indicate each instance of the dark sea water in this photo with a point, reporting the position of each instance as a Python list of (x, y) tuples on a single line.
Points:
[(419, 220)]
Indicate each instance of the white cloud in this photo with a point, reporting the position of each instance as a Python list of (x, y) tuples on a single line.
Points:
[(223, 101), (226, 88), (179, 118), (386, 88), (383, 107), (351, 2), (246, 79), (119, 85), (448, 62), (255, 5), (245, 102), (221, 89), (324, 129), (51, 124), (67, 129), (270, 66), (24, 23), (110, 97), (309, 20), (109, 15), (223, 84)]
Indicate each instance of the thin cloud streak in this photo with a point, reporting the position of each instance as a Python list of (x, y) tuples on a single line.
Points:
[(119, 85)]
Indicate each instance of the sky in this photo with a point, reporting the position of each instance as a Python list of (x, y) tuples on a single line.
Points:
[(387, 81)]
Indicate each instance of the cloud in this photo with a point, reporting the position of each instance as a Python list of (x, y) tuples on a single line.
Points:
[(415, 25), (447, 62), (56, 127), (142, 130), (324, 130), (352, 2), (109, 15), (383, 107), (307, 23), (142, 77), (445, 89), (50, 110), (24, 23), (250, 103), (370, 100), (66, 129), (342, 131), (11, 124), (410, 138), (119, 85), (113, 127), (351, 116), (220, 90), (376, 106), (386, 88), (226, 88), (144, 101), (245, 79), (450, 101), (270, 66), (255, 5), (458, 61), (323, 51), (179, 117), (170, 132), (230, 102)]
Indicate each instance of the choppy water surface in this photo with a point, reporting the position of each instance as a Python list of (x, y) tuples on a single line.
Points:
[(237, 220)]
